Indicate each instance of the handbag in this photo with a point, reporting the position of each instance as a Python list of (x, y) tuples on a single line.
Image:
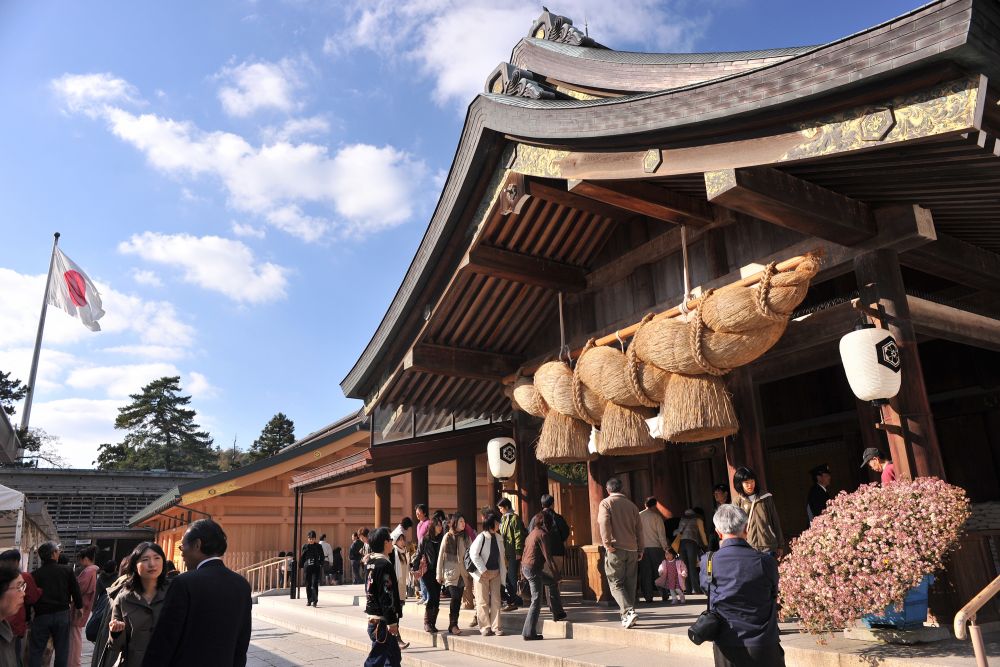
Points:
[(709, 623), (96, 619)]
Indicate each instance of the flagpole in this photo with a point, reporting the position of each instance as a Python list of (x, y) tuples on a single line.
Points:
[(26, 413)]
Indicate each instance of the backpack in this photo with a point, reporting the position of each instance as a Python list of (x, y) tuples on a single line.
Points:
[(97, 617), (470, 566)]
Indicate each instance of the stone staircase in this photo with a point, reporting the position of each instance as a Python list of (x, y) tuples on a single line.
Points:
[(590, 638)]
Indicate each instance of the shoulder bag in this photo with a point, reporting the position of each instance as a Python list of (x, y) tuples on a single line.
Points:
[(709, 623)]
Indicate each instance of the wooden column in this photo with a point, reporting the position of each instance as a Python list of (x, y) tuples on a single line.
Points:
[(532, 475), (668, 480), (598, 472), (419, 490), (465, 471), (383, 502), (913, 442), (593, 580), (746, 448)]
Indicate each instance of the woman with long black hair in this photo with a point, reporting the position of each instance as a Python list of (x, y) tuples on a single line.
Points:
[(451, 570), (136, 609), (763, 525), (430, 548)]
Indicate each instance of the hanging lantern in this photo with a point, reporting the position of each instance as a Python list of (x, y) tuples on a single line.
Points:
[(872, 362), (592, 442), (502, 455)]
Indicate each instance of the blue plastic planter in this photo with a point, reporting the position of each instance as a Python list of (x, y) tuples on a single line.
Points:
[(914, 611)]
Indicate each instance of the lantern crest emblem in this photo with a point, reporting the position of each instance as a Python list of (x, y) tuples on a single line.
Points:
[(887, 353), (508, 453)]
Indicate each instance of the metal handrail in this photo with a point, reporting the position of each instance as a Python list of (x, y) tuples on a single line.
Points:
[(967, 614)]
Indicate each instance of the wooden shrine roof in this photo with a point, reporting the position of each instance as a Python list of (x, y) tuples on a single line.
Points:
[(928, 72)]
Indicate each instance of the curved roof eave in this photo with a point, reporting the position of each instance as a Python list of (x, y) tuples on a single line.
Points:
[(640, 117)]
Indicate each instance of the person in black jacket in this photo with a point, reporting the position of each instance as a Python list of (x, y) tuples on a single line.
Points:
[(819, 494), (430, 548), (337, 566), (52, 613), (382, 603), (312, 564), (205, 620)]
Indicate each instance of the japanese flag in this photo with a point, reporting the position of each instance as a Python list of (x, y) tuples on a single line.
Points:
[(71, 290)]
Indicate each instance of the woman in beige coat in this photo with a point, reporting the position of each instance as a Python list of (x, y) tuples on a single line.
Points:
[(451, 570), (763, 525), (136, 608)]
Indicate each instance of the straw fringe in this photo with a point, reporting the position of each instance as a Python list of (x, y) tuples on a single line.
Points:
[(696, 409), (563, 440)]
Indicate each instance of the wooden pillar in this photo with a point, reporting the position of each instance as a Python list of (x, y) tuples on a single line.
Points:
[(593, 579), (532, 475), (598, 472), (419, 490), (746, 448), (668, 480), (465, 471), (383, 502), (913, 442)]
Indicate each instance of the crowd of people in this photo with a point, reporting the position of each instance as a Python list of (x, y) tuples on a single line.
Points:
[(489, 570), (140, 612)]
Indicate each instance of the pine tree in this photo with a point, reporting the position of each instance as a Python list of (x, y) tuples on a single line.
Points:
[(11, 391), (278, 433), (160, 433)]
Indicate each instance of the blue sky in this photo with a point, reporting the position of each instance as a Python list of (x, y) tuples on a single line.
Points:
[(247, 181)]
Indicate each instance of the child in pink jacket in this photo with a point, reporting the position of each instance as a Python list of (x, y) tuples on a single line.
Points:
[(673, 577)]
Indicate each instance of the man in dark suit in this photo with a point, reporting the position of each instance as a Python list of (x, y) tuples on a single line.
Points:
[(205, 620)]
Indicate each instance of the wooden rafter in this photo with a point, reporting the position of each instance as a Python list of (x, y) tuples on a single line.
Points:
[(454, 362), (525, 269), (791, 202), (958, 261), (646, 199)]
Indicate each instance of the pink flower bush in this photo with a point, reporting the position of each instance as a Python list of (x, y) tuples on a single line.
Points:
[(868, 549)]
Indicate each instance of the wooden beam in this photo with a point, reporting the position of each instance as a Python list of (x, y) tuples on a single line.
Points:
[(959, 326), (952, 108), (455, 362), (791, 202), (646, 199), (957, 261), (555, 192), (525, 269)]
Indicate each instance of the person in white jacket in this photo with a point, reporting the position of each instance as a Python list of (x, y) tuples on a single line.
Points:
[(487, 554)]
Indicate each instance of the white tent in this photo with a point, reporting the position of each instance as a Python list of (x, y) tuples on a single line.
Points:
[(23, 524)]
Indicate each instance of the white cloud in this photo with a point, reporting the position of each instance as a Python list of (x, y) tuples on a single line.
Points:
[(248, 231), (89, 93), (53, 365), (144, 277), (457, 43), (296, 128), (81, 424), (357, 189), (119, 381), (152, 352), (214, 263), (199, 387), (154, 322), (252, 86)]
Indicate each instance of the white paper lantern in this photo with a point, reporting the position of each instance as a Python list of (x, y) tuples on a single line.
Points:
[(502, 455), (592, 442), (655, 426), (872, 362)]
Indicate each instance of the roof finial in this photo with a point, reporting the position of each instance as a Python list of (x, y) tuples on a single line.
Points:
[(586, 27)]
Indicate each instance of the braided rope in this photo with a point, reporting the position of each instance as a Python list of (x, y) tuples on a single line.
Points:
[(763, 291), (578, 403), (632, 370), (697, 343)]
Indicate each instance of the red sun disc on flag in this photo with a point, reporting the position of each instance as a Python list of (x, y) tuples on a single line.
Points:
[(77, 288)]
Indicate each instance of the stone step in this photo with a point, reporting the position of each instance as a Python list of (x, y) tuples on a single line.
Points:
[(356, 638)]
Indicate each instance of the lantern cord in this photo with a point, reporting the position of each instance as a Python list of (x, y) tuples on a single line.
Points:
[(563, 347), (687, 272)]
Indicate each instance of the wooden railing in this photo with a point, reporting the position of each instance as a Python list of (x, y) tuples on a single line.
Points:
[(573, 562), (265, 575), (967, 614)]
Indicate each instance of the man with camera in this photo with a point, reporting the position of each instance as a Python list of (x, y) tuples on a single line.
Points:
[(743, 595)]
